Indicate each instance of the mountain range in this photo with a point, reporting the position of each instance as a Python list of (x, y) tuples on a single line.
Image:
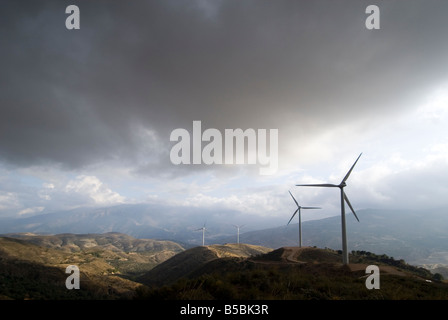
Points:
[(417, 237), (137, 220), (117, 266)]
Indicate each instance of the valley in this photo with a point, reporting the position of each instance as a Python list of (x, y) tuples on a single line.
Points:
[(267, 264), (32, 266), (401, 234), (115, 266)]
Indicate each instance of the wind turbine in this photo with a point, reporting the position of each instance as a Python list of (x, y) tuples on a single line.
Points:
[(203, 233), (300, 217), (238, 232), (343, 200)]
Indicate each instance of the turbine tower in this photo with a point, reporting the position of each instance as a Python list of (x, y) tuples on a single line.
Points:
[(343, 200), (238, 232), (300, 217), (203, 233)]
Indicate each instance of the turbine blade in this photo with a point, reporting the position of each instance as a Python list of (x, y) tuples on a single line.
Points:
[(350, 171), (318, 185), (311, 208), (293, 198), (350, 205), (293, 215)]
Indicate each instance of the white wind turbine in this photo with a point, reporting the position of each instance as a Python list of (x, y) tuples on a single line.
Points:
[(300, 217), (238, 232), (203, 233), (343, 200)]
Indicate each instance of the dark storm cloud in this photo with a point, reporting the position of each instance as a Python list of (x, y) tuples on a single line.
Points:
[(81, 97)]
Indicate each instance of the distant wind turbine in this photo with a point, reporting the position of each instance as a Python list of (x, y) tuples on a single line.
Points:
[(300, 216), (343, 200), (203, 233), (238, 232)]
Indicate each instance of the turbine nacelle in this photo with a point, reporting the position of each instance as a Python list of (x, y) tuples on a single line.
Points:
[(340, 186), (299, 207)]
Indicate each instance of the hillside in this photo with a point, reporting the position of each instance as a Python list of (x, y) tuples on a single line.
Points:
[(28, 271), (126, 255), (295, 255), (188, 261), (237, 250), (113, 241), (292, 273), (117, 266), (33, 266)]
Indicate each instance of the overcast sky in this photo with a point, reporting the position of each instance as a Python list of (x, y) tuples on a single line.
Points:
[(86, 115)]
